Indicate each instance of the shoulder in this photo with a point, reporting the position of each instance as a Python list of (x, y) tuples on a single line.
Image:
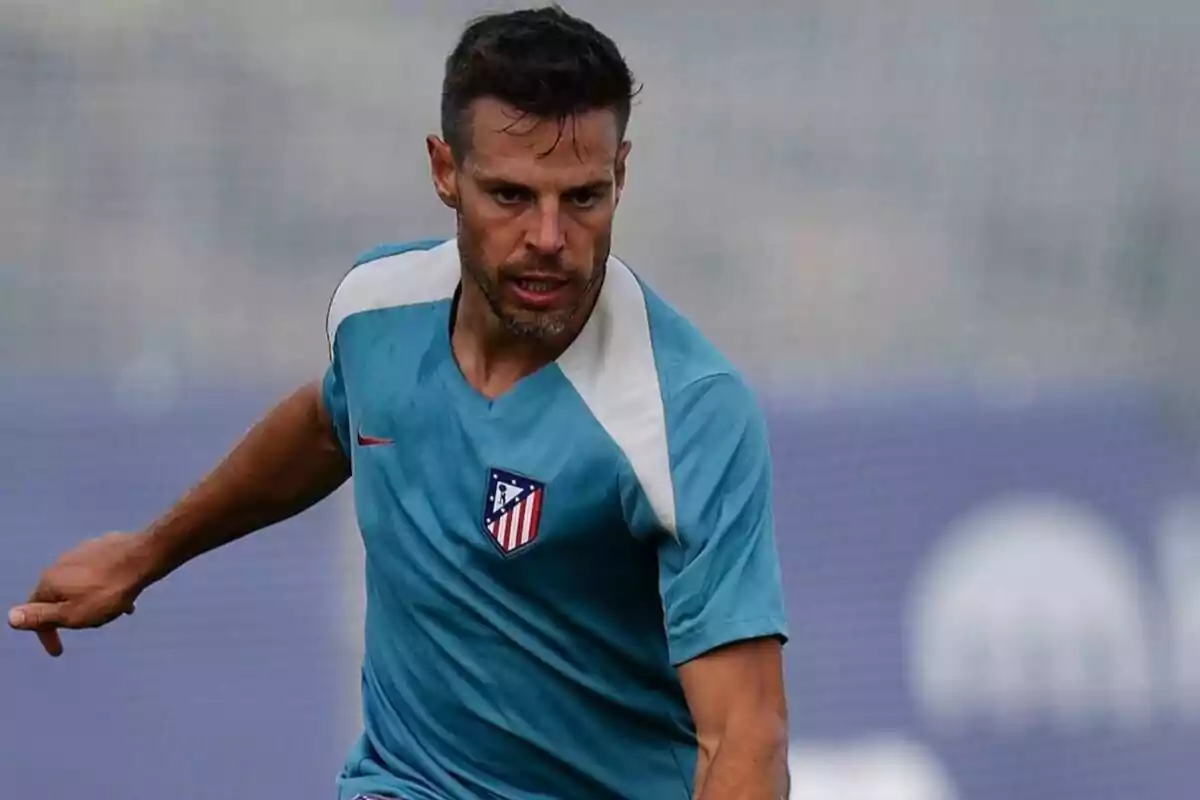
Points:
[(688, 363), (395, 275), (632, 323), (642, 368), (688, 366), (638, 353)]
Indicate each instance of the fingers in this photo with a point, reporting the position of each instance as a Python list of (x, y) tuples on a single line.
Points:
[(51, 641), (43, 619), (35, 616)]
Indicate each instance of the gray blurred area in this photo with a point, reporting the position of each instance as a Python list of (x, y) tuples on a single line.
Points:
[(862, 191)]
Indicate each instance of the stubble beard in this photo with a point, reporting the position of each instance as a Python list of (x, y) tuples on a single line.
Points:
[(530, 326)]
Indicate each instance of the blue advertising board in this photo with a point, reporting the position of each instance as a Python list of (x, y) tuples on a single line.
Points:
[(987, 602)]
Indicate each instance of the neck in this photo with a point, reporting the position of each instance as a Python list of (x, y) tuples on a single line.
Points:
[(492, 357)]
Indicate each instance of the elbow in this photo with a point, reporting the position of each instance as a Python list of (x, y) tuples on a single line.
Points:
[(761, 732), (762, 740), (768, 735), (774, 750), (752, 747), (768, 725), (764, 731), (775, 735)]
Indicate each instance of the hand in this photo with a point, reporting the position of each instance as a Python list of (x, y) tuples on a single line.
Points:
[(90, 585)]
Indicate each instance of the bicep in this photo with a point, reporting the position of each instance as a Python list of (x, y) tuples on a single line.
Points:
[(736, 693), (739, 680)]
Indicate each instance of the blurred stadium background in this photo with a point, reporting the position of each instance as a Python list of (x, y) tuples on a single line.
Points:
[(955, 243)]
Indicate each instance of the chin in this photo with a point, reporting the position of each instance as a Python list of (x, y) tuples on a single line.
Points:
[(538, 326)]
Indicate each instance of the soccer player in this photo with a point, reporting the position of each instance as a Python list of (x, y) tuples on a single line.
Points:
[(564, 491)]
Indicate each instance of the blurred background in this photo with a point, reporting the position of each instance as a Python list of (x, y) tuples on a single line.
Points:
[(954, 243)]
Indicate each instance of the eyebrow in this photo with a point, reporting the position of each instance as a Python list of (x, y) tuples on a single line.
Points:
[(595, 184), (600, 184)]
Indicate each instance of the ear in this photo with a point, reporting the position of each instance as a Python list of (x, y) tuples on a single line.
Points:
[(619, 172), (443, 170)]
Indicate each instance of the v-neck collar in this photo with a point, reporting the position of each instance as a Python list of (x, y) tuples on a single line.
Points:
[(519, 394)]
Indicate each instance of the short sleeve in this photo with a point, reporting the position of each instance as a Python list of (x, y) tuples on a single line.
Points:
[(333, 389), (719, 573), (333, 395)]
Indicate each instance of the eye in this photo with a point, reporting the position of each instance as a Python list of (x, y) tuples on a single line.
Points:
[(585, 198), (509, 195)]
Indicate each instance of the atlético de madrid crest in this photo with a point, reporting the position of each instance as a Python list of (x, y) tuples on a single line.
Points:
[(512, 510)]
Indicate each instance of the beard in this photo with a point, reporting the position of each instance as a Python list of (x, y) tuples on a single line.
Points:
[(526, 323)]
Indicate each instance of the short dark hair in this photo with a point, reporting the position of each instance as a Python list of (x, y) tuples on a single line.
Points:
[(543, 62)]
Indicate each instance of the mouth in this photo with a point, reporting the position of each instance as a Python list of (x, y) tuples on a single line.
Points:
[(539, 291)]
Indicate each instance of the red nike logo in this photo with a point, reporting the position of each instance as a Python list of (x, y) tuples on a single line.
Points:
[(372, 441)]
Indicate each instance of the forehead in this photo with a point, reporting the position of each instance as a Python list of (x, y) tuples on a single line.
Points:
[(506, 144)]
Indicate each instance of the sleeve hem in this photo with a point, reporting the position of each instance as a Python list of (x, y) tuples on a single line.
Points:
[(328, 400), (701, 639)]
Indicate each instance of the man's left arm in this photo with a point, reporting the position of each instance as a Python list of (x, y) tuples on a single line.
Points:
[(722, 591), (738, 705)]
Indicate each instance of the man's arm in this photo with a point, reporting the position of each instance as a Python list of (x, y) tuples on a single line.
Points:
[(738, 705), (286, 463), (722, 590), (290, 460)]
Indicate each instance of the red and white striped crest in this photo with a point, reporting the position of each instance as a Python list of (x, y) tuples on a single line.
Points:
[(513, 510)]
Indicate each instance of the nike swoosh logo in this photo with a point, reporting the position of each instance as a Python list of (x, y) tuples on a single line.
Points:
[(372, 441)]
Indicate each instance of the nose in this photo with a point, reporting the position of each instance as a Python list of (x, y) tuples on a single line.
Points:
[(546, 234)]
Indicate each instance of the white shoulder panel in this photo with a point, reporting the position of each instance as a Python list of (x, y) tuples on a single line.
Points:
[(405, 279), (611, 364)]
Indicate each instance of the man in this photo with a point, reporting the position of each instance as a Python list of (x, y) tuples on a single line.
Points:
[(563, 489)]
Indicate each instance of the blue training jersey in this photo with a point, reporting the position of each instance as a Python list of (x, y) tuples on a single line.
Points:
[(538, 565)]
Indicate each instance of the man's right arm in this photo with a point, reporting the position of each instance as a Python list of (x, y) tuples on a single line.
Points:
[(286, 463), (290, 460)]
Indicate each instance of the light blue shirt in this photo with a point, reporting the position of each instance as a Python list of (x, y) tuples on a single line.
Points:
[(538, 565)]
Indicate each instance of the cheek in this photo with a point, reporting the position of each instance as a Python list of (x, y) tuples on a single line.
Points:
[(494, 234), (588, 229), (591, 238)]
